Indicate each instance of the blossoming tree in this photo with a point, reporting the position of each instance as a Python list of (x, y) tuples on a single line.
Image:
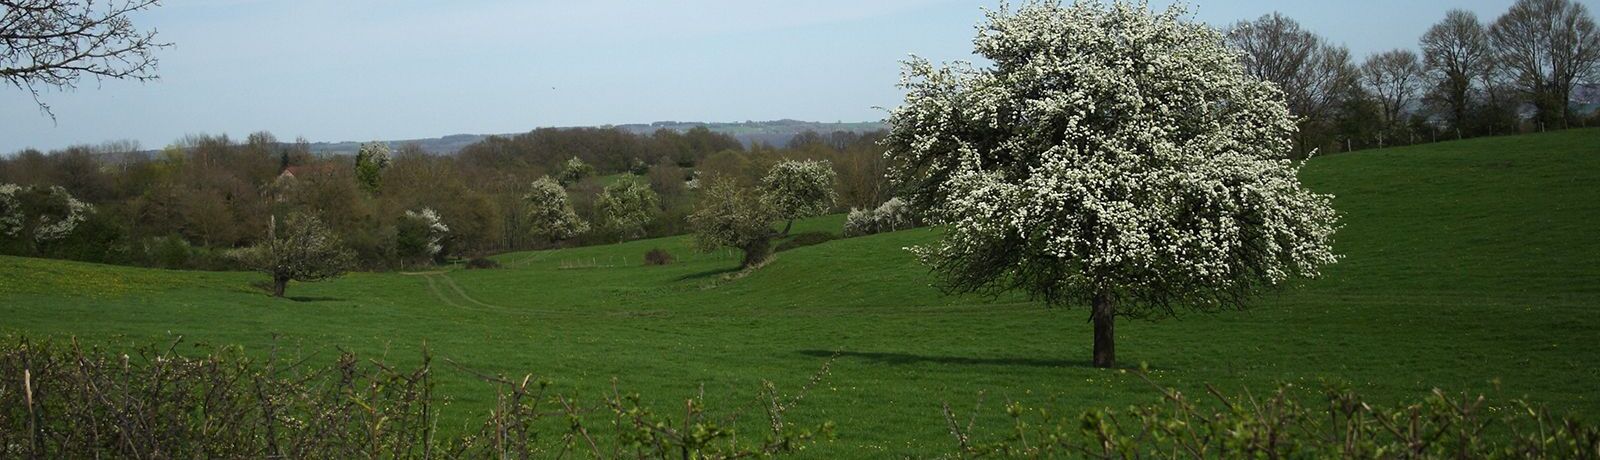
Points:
[(627, 206), (35, 215), (574, 170), (301, 249), (730, 215), (371, 160), (420, 235), (798, 189), (1112, 156), (550, 214)]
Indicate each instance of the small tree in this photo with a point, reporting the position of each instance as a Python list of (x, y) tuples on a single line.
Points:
[(733, 216), (798, 189), (371, 160), (1136, 169), (420, 235), (626, 207), (574, 170), (301, 249), (550, 214)]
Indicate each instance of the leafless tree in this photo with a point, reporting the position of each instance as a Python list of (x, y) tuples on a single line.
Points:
[(54, 43), (1546, 46), (1313, 74), (1393, 78), (1456, 56)]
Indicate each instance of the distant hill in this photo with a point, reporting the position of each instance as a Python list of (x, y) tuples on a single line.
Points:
[(777, 132)]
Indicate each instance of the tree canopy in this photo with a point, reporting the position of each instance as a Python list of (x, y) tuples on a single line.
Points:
[(1111, 156), (300, 249), (627, 206), (799, 189), (550, 213)]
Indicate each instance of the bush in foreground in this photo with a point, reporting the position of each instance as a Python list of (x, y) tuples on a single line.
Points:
[(72, 402), (1289, 422)]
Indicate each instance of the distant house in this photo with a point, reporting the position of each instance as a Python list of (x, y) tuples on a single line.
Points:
[(294, 171), (287, 178)]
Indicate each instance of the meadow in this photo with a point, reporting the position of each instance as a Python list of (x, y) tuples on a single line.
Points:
[(1468, 265)]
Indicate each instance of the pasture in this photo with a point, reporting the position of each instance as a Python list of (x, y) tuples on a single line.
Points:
[(1468, 266)]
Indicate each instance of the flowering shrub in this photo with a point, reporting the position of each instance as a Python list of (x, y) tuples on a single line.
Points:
[(371, 160), (39, 214), (550, 214), (1110, 156), (797, 189), (420, 234), (10, 210), (626, 206), (574, 170), (890, 216)]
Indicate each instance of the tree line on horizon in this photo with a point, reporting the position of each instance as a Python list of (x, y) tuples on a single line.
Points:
[(189, 204), (1519, 72), (183, 206)]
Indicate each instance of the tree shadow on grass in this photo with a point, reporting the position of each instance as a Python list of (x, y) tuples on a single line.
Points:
[(313, 299), (907, 358), (712, 273)]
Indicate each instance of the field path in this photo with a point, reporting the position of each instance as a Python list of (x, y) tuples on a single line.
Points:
[(466, 301), (463, 293), (432, 286)]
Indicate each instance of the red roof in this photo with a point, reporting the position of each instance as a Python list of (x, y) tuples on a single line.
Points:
[(297, 170)]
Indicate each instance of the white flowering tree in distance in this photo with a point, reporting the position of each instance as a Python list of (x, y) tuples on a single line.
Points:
[(299, 249), (550, 214), (798, 189), (1110, 156)]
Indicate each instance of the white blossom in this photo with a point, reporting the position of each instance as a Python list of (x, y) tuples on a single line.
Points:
[(892, 215), (437, 230), (626, 206), (1108, 150), (52, 212), (799, 188), (10, 210), (550, 214)]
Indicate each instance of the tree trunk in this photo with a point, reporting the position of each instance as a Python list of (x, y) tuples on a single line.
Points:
[(755, 252), (1105, 319), (788, 226), (278, 285)]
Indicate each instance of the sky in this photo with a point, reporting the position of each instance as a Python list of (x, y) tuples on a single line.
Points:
[(356, 70)]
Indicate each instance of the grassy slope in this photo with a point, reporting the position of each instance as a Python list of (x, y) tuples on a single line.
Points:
[(1467, 262)]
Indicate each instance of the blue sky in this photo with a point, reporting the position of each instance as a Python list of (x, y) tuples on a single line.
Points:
[(371, 69)]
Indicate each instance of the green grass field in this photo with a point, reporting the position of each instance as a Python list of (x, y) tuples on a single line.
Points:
[(1466, 263)]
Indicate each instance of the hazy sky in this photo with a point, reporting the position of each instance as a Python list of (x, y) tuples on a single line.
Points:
[(397, 69)]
